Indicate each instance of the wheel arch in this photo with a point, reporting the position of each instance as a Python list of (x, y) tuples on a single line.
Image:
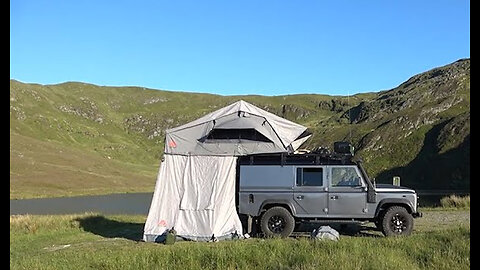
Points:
[(389, 202), (272, 203)]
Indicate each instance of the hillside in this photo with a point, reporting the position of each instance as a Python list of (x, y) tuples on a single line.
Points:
[(76, 138)]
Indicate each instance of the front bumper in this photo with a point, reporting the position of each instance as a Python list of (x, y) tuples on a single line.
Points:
[(417, 214)]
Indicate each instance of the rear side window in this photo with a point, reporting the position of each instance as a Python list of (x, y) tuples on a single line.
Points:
[(309, 177)]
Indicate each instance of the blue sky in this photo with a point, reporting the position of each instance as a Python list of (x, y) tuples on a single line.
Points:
[(236, 47)]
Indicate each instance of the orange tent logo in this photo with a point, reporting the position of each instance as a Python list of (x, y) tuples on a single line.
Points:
[(172, 144)]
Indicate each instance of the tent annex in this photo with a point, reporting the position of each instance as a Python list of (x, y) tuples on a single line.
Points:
[(195, 189)]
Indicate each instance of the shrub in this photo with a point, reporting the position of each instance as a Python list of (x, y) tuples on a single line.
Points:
[(454, 201)]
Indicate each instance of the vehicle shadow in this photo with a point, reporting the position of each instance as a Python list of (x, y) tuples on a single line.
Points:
[(105, 227), (109, 228), (352, 229)]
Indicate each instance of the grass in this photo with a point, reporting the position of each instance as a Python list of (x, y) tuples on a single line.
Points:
[(454, 201), (49, 169), (92, 241), (76, 138)]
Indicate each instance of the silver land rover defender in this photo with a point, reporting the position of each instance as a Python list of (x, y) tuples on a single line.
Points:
[(281, 191)]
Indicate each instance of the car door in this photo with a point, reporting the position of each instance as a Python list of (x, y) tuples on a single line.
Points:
[(347, 192), (309, 193)]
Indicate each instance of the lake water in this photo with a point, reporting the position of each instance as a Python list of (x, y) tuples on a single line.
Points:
[(129, 203)]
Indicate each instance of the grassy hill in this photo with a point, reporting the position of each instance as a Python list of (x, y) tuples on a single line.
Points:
[(77, 138)]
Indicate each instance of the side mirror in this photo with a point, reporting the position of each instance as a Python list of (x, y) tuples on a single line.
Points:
[(361, 187)]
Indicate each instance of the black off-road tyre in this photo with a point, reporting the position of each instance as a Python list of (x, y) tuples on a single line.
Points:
[(379, 221), (277, 222), (397, 222)]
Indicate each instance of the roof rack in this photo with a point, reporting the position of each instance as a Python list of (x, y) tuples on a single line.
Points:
[(297, 159), (318, 156)]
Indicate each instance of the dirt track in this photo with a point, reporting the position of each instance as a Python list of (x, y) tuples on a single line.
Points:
[(441, 219), (432, 220)]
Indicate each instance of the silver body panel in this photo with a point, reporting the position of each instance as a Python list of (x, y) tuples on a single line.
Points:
[(275, 184)]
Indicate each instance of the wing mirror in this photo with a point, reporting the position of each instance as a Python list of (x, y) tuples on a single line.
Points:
[(361, 187)]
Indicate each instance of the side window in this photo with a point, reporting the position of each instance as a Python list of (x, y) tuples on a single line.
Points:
[(345, 177), (309, 177)]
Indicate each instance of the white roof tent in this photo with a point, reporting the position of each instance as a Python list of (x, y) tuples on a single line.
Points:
[(195, 189), (238, 129)]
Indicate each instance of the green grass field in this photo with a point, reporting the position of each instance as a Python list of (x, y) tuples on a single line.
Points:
[(441, 240)]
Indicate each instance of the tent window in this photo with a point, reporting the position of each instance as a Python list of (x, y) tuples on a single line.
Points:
[(245, 134)]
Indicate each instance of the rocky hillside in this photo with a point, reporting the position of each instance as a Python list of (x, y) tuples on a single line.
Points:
[(420, 130), (77, 138)]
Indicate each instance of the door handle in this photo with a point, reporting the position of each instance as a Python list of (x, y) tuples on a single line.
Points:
[(334, 197), (300, 197)]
